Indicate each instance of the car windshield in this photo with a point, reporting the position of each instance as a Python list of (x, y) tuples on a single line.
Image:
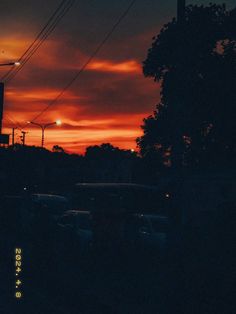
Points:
[(116, 198)]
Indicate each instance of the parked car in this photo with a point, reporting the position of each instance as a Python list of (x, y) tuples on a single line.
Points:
[(54, 205), (78, 223), (147, 231), (117, 198)]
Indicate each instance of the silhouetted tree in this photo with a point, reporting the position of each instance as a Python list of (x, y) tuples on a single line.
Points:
[(107, 163), (195, 62), (106, 150), (58, 149)]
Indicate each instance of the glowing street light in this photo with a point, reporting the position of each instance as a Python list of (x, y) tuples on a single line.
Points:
[(44, 126), (17, 63)]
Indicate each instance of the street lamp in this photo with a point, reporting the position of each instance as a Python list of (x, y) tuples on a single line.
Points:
[(44, 126), (17, 63)]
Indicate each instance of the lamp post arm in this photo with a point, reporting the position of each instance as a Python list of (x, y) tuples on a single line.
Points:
[(9, 64), (48, 124), (6, 64), (43, 127), (40, 125)]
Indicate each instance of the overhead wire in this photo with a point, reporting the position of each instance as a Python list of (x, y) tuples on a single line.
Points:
[(34, 50), (90, 58), (51, 24), (12, 121), (34, 41), (48, 28)]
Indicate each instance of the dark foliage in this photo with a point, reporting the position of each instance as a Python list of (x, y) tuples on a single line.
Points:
[(195, 61), (35, 169)]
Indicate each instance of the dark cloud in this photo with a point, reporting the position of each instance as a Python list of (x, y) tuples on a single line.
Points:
[(103, 98)]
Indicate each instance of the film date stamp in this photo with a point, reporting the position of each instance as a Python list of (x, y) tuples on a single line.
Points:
[(18, 273)]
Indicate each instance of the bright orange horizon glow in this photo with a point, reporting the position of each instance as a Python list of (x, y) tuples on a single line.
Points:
[(75, 138), (105, 105), (109, 99)]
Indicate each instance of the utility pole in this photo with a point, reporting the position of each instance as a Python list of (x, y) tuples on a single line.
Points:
[(43, 129), (1, 104), (181, 4), (23, 137), (177, 149), (4, 138), (13, 136)]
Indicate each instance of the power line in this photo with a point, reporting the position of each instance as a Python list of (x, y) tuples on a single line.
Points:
[(51, 24), (35, 40), (11, 120), (91, 57), (36, 47)]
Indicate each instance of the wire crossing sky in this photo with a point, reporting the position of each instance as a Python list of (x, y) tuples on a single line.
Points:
[(92, 56), (51, 24), (112, 98)]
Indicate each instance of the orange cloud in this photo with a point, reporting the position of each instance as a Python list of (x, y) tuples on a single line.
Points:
[(12, 48), (106, 104), (75, 137), (38, 94), (121, 67)]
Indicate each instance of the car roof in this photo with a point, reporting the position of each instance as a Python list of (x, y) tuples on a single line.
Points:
[(115, 185), (49, 197), (152, 216), (77, 212)]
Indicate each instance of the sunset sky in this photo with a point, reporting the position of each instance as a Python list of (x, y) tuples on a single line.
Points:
[(110, 98)]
